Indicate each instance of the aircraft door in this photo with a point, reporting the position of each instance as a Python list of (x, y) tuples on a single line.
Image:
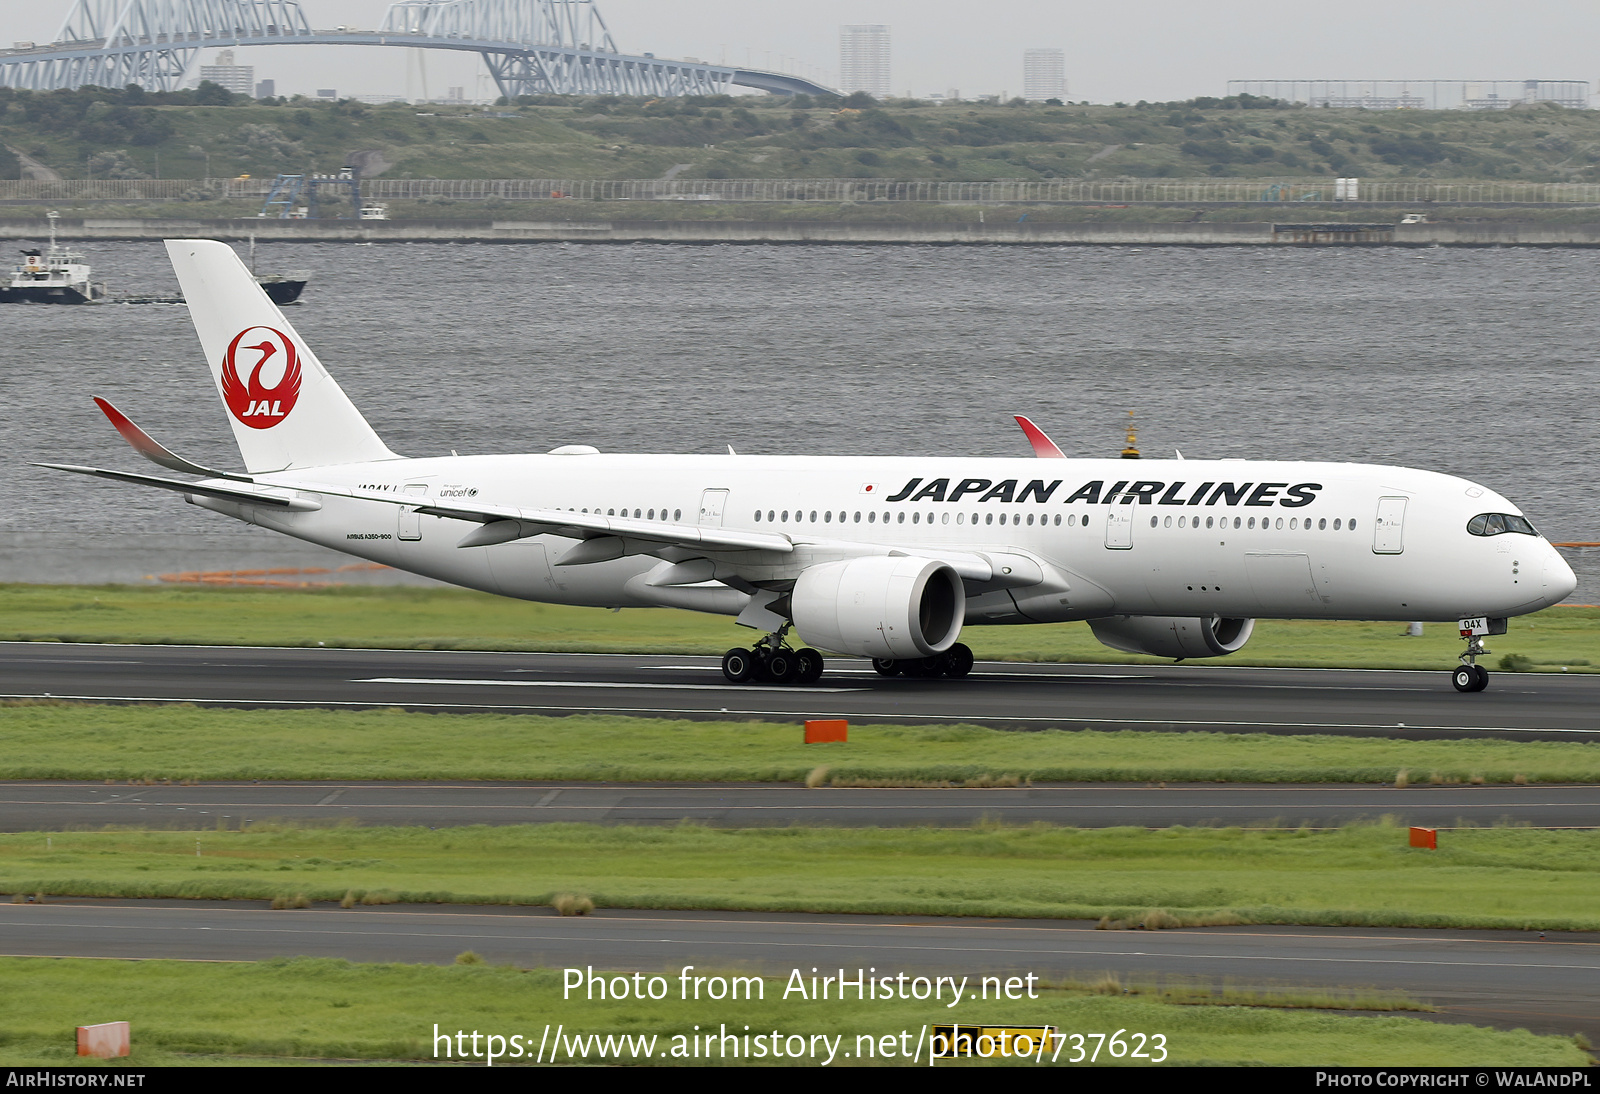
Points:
[(712, 503), (1388, 531), (1119, 527), (410, 526)]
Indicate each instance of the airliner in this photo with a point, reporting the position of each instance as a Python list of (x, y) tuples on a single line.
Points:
[(885, 558)]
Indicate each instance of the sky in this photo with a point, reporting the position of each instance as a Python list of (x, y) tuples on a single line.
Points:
[(1161, 50)]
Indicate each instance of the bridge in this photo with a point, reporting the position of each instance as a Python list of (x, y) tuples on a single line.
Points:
[(531, 47)]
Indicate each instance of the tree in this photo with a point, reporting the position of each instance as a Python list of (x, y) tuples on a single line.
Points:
[(212, 94)]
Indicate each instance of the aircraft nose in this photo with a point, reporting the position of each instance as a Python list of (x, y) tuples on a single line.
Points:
[(1559, 580)]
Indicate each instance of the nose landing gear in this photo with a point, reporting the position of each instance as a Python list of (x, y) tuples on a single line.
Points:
[(1469, 675), (769, 661)]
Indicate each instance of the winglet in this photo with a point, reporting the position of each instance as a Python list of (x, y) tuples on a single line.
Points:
[(1043, 446), (153, 450)]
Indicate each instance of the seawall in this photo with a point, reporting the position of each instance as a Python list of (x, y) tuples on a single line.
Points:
[(1202, 234)]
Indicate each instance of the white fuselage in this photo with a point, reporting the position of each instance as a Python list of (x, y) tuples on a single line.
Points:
[(1070, 539)]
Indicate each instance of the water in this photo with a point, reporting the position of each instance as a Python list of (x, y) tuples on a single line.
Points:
[(1473, 362)]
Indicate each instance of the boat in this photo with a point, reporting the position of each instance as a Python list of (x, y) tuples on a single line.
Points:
[(280, 288), (53, 276)]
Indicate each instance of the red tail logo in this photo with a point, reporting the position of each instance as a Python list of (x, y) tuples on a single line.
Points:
[(254, 403)]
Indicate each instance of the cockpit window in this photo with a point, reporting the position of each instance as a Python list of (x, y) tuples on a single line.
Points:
[(1492, 524)]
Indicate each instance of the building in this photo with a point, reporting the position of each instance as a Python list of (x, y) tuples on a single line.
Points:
[(864, 60), (1044, 75), (266, 89), (239, 79), (1419, 94)]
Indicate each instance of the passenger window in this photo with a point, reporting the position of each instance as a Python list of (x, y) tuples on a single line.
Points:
[(916, 517), (1252, 523), (1351, 525), (827, 516), (1322, 525), (1058, 520), (1279, 524), (1335, 524), (901, 519), (945, 519), (1293, 523), (961, 518), (988, 518), (1208, 522), (1153, 521), (1166, 523), (813, 516), (1181, 522), (872, 518), (858, 516), (1237, 522)]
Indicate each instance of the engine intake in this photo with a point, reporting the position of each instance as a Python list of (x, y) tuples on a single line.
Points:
[(882, 606), (1173, 636)]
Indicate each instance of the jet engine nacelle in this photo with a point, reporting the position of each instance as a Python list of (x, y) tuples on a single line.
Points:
[(881, 606), (1173, 636)]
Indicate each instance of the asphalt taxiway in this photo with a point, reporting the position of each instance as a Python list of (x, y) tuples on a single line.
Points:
[(27, 806), (1523, 706), (1503, 978)]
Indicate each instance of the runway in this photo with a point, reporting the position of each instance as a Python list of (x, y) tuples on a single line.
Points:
[(1524, 706), (60, 806), (1503, 978)]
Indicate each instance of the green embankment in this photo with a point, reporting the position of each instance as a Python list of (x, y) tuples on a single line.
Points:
[(57, 740), (1359, 875), (114, 133), (304, 1011), (1557, 639)]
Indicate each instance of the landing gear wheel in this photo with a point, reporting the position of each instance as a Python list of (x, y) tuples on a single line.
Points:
[(1465, 678), (739, 666), (810, 666), (781, 667), (887, 666), (958, 661), (1482, 675)]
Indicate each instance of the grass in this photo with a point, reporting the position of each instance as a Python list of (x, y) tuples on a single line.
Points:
[(301, 1010), (1359, 875), (51, 739), (410, 618)]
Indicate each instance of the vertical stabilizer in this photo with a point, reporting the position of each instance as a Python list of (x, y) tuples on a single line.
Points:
[(286, 411)]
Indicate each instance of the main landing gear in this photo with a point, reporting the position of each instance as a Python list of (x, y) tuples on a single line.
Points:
[(953, 663), (1469, 675), (771, 662)]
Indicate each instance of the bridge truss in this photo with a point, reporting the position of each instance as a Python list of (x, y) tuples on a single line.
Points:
[(531, 47)]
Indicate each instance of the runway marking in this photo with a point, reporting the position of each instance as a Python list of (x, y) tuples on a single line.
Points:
[(585, 684)]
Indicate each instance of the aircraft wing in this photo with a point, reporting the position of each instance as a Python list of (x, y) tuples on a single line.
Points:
[(276, 496), (1043, 446)]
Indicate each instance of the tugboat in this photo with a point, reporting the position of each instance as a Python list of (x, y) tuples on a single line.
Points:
[(54, 276)]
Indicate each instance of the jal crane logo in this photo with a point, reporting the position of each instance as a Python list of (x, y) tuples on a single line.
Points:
[(268, 354)]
